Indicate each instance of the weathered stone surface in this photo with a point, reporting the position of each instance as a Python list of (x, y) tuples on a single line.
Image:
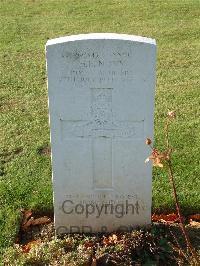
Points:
[(101, 101)]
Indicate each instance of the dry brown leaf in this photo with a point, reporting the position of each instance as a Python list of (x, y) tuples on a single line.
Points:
[(41, 220), (110, 240), (113, 239), (26, 215), (88, 244), (196, 224), (28, 220), (195, 217), (106, 241), (27, 224), (165, 218), (26, 248)]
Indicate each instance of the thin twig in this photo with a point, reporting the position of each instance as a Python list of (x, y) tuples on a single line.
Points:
[(171, 178), (167, 133), (178, 245), (182, 226)]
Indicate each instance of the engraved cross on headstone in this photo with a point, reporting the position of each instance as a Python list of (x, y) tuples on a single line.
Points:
[(102, 129)]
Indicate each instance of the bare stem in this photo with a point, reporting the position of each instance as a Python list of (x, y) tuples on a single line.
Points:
[(167, 133), (182, 226), (171, 178), (177, 243)]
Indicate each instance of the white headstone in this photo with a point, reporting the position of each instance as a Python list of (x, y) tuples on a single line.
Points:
[(101, 101)]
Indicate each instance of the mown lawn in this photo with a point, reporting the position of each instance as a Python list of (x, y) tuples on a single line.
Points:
[(25, 26)]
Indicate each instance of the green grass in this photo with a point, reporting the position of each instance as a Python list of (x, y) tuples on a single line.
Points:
[(25, 26)]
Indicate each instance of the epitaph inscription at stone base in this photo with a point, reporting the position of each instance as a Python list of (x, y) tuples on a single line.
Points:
[(101, 102)]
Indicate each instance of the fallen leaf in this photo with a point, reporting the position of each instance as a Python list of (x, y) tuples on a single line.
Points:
[(89, 244), (106, 241), (165, 218), (26, 215), (26, 248), (28, 220), (110, 240), (195, 217), (196, 224), (27, 224), (113, 239), (41, 220)]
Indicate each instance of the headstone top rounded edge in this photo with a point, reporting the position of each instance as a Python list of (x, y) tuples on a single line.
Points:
[(101, 36)]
